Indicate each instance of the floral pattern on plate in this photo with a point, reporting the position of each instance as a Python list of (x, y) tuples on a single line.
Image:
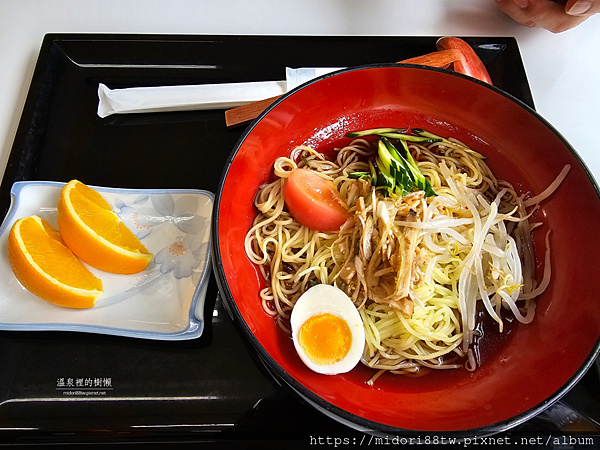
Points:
[(176, 219)]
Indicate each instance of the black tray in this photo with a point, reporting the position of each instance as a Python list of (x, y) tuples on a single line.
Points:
[(207, 389)]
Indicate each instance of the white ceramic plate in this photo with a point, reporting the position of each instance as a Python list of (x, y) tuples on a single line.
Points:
[(165, 301)]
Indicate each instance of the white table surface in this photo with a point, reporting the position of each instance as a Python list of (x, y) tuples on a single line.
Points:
[(563, 69)]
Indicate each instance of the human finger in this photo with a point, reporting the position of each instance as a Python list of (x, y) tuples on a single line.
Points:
[(582, 7), (545, 14)]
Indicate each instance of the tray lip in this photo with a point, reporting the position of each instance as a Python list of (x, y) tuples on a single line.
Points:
[(195, 325)]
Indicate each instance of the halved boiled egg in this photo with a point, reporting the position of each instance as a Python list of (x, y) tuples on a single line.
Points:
[(327, 330)]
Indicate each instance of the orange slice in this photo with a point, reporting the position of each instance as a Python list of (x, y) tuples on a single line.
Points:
[(47, 268), (95, 233)]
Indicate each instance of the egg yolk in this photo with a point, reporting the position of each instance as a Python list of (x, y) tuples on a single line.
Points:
[(325, 338)]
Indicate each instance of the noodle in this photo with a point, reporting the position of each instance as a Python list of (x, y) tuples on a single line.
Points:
[(470, 250)]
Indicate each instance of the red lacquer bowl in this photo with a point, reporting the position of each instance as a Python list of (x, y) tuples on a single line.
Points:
[(536, 364)]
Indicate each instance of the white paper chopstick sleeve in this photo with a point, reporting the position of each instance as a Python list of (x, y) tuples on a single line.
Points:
[(184, 98)]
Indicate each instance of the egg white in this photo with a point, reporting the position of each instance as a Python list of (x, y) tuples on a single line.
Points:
[(324, 298)]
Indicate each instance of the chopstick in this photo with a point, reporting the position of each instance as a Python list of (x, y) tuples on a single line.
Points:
[(451, 51), (469, 64)]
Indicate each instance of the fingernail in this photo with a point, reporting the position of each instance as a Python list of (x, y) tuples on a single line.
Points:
[(580, 7), (522, 3)]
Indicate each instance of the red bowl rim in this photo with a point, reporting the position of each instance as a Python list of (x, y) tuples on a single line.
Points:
[(289, 382)]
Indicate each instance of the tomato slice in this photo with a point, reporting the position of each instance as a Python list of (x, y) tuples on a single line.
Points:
[(314, 201)]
